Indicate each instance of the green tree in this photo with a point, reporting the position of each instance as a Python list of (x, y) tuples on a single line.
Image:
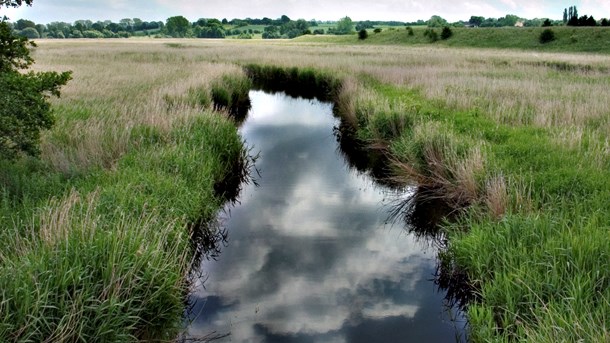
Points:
[(24, 23), (436, 21), (476, 21), (345, 26), (177, 26), (24, 109), (30, 32), (362, 34)]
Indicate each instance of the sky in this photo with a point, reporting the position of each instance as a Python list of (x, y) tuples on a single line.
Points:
[(45, 11)]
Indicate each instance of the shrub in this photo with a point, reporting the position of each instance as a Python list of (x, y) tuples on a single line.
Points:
[(362, 34), (547, 36), (446, 33), (410, 31), (377, 30), (431, 34)]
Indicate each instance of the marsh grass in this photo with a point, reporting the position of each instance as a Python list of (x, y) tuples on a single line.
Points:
[(518, 140), (98, 232)]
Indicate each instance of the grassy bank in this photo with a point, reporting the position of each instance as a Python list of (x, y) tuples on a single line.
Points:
[(97, 234), (567, 39), (517, 142)]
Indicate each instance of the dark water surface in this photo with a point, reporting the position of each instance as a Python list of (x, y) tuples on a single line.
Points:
[(310, 257)]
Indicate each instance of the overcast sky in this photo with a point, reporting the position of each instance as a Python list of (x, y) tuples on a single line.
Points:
[(45, 11)]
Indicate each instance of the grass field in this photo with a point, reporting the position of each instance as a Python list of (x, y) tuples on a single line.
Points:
[(514, 140), (568, 39)]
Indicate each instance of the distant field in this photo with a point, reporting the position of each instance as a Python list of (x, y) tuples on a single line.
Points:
[(568, 39)]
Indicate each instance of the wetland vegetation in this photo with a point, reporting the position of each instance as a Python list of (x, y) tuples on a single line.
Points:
[(515, 143)]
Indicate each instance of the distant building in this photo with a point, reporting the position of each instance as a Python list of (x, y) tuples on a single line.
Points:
[(519, 24)]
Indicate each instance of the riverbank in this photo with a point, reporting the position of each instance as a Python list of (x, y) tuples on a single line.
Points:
[(517, 142), (98, 233)]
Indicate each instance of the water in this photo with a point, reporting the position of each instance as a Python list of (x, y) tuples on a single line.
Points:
[(310, 257)]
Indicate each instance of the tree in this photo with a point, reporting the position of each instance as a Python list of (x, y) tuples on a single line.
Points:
[(572, 16), (345, 26), (476, 21), (24, 109), (24, 23), (508, 20), (436, 21), (605, 22), (362, 34), (446, 33), (30, 32), (177, 26), (565, 15), (547, 23)]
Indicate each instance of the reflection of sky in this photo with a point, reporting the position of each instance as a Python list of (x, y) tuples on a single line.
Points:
[(309, 257)]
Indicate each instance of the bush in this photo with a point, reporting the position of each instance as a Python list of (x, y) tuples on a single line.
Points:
[(547, 36), (446, 33), (410, 31), (362, 34), (431, 34), (377, 30)]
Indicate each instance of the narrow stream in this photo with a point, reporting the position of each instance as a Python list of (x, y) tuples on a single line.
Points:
[(309, 255)]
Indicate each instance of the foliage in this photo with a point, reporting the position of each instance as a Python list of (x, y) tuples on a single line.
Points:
[(30, 33), (24, 109), (362, 34), (436, 21), (546, 36), (446, 33), (476, 20), (431, 34), (15, 3), (410, 31), (345, 26), (177, 26), (377, 30)]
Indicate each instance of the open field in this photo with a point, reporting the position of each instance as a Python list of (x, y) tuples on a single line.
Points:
[(516, 141), (568, 39)]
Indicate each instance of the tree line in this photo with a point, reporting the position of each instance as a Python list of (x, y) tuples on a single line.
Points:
[(181, 27), (571, 18), (283, 27)]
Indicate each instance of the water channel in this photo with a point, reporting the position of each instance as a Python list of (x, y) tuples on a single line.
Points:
[(310, 255)]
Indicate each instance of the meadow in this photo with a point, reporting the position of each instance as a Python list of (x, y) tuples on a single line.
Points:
[(514, 141)]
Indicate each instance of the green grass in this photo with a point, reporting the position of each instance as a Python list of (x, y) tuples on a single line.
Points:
[(107, 258), (540, 266), (542, 271), (568, 39)]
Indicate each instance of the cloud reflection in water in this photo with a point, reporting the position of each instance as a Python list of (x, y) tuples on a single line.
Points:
[(310, 258)]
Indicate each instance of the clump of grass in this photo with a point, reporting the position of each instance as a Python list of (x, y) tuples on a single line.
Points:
[(79, 277), (230, 93), (446, 164)]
